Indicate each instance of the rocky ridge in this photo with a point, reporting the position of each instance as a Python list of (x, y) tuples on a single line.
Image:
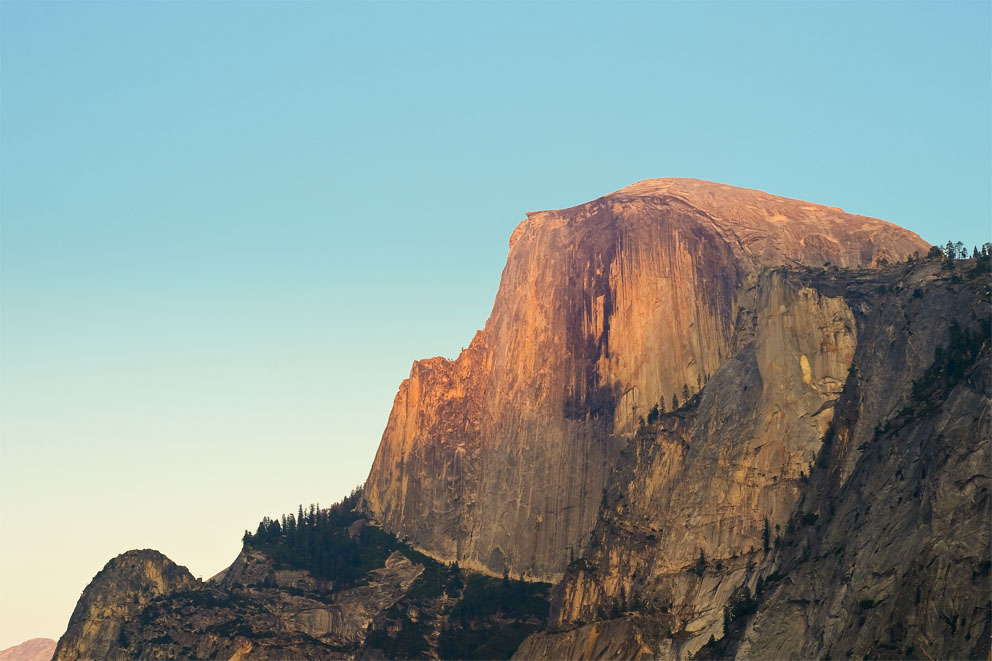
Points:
[(822, 490), (394, 603)]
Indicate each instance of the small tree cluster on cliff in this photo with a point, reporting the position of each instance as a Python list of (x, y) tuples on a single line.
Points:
[(741, 604), (957, 250), (323, 541), (687, 395), (656, 412), (951, 362)]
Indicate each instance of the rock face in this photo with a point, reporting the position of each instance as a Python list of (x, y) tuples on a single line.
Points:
[(706, 478), (36, 649), (342, 618), (142, 605), (898, 565), (360, 594), (819, 487), (498, 459), (836, 467), (116, 595)]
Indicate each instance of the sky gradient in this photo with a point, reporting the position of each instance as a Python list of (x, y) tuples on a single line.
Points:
[(229, 228)]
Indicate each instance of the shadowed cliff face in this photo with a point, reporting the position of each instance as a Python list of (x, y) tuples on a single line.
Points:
[(499, 459), (839, 429), (708, 478)]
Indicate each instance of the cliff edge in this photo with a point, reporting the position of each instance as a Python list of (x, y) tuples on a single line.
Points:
[(498, 460)]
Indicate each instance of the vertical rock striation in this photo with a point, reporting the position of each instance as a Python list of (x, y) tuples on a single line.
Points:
[(836, 467), (897, 563), (499, 459)]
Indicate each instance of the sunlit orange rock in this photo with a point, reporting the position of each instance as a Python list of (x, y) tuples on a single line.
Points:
[(498, 459)]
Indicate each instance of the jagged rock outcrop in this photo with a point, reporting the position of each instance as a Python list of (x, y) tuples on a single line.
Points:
[(336, 591), (142, 605), (498, 459), (114, 596), (833, 459), (342, 617)]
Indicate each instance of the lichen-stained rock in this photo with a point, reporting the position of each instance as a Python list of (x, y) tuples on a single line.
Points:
[(498, 459)]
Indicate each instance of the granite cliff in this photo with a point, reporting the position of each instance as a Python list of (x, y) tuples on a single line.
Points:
[(498, 459), (826, 495), (724, 424)]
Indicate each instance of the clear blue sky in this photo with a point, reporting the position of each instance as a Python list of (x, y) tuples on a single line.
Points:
[(229, 228)]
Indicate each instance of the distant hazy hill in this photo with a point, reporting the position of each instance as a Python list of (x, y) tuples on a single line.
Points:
[(36, 649)]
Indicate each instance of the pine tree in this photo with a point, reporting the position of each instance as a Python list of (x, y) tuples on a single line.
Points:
[(685, 393), (675, 402), (766, 536)]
